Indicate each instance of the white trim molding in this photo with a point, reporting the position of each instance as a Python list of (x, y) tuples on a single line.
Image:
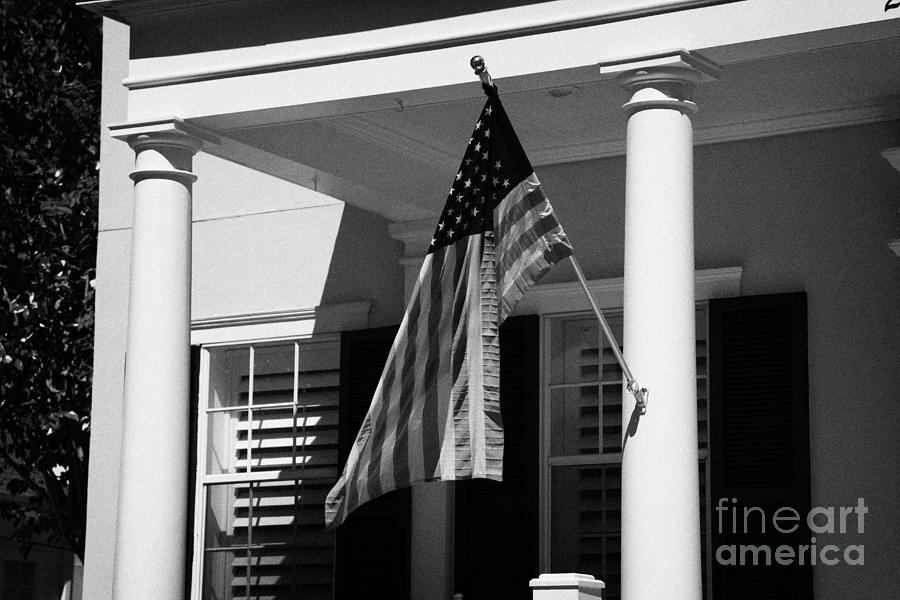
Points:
[(734, 132), (537, 46), (895, 246), (444, 33), (569, 297), (892, 155), (386, 137), (276, 325), (129, 130)]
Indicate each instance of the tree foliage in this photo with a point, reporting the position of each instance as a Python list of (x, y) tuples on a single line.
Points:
[(49, 137)]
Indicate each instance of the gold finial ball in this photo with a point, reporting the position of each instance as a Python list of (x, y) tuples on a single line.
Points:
[(477, 63)]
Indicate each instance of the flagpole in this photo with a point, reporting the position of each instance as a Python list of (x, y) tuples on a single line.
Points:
[(640, 393)]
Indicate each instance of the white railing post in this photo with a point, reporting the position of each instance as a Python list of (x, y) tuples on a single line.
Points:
[(566, 586)]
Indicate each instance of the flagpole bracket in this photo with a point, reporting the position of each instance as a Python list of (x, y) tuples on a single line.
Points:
[(641, 395)]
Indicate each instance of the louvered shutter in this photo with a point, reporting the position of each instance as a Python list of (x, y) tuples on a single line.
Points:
[(497, 523), (759, 437), (373, 544)]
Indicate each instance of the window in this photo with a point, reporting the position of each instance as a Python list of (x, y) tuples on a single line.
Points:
[(582, 441), (267, 456)]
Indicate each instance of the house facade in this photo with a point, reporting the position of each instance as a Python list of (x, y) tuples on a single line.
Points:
[(728, 173)]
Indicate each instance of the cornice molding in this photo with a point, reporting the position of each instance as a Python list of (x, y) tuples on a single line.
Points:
[(123, 10), (894, 245), (412, 231), (565, 153), (799, 123), (734, 132), (388, 138), (500, 24), (892, 155), (165, 126), (273, 325), (609, 293)]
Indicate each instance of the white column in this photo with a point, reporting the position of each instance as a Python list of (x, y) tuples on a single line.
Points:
[(660, 503), (153, 485)]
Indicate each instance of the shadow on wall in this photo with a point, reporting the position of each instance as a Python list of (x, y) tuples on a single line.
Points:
[(365, 266)]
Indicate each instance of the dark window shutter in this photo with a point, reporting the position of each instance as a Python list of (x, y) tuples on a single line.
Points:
[(497, 523), (192, 462), (759, 439), (373, 545)]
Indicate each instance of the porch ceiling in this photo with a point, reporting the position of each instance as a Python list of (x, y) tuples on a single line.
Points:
[(407, 155)]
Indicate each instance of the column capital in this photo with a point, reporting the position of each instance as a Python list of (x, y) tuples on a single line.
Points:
[(415, 235), (171, 131), (163, 148), (664, 80)]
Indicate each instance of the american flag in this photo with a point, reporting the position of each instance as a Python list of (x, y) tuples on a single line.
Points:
[(435, 414)]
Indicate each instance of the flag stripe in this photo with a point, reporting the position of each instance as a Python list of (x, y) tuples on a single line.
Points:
[(445, 434), (532, 241), (491, 434), (455, 447), (427, 412)]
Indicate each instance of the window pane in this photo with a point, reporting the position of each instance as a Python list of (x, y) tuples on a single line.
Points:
[(291, 422), (284, 438), (585, 522), (612, 417), (574, 351), (221, 433), (574, 414), (271, 458), (267, 540), (227, 368)]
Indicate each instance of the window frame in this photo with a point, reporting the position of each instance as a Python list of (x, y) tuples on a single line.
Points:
[(202, 479), (555, 299), (547, 462)]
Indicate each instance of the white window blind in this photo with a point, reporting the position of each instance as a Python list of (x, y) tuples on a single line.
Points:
[(268, 423), (582, 446)]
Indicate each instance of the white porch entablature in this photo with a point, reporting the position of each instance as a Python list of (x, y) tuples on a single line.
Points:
[(339, 112), (565, 42)]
